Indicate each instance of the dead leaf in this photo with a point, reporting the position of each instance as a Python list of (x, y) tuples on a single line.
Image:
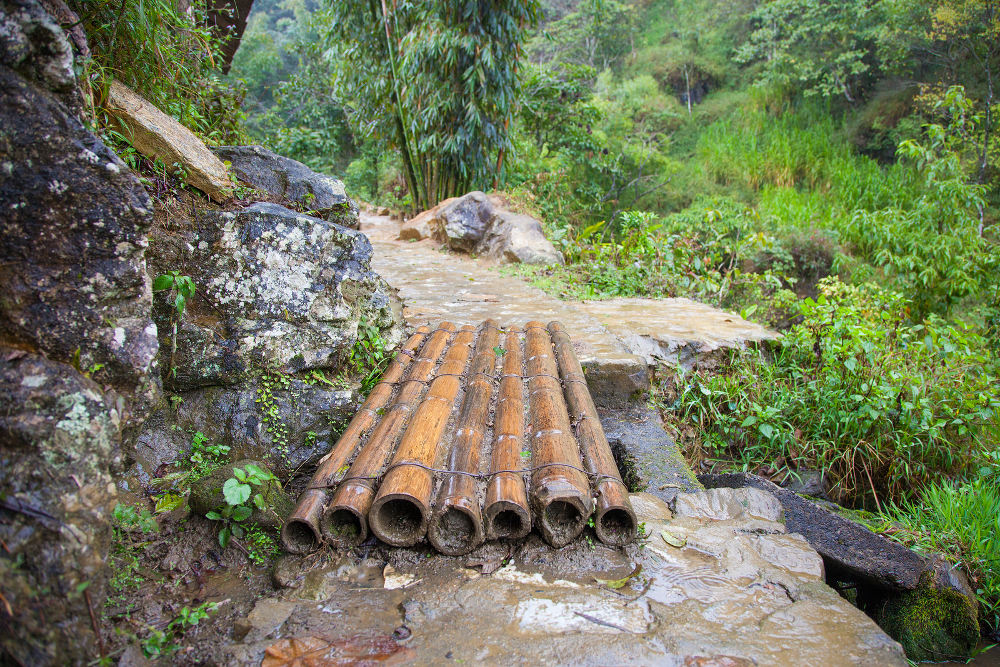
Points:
[(359, 651), (620, 583), (672, 539)]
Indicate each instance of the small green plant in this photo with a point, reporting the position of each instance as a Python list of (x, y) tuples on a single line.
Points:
[(261, 546), (499, 351), (127, 525), (161, 643), (368, 356), (271, 415), (202, 460), (182, 287), (239, 492)]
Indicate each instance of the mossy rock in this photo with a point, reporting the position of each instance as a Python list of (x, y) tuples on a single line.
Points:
[(932, 624), (206, 495)]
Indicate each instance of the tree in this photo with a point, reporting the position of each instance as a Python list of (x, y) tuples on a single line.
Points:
[(437, 79), (823, 47)]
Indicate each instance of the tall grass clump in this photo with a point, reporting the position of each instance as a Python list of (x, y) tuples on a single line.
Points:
[(962, 521), (168, 55), (882, 406)]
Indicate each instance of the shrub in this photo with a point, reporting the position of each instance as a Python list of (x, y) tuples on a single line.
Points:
[(882, 406)]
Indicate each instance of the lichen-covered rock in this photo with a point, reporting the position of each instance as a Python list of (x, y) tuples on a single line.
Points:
[(206, 496), (284, 290), (157, 135), (34, 46), (285, 424), (292, 180), (58, 441), (74, 219)]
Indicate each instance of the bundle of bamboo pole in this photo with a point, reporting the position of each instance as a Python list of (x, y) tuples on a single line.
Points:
[(301, 532), (443, 449)]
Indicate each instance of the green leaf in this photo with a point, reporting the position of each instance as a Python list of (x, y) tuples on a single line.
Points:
[(241, 513), (258, 500), (163, 282), (620, 583), (673, 540), (168, 502), (238, 531), (224, 535), (234, 492), (239, 474), (213, 516)]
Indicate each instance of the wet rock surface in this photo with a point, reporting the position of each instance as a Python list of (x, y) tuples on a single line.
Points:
[(737, 587), (281, 290), (847, 547), (647, 457), (157, 135), (74, 222), (290, 179), (58, 443)]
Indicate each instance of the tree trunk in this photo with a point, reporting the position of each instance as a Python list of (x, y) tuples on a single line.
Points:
[(228, 20)]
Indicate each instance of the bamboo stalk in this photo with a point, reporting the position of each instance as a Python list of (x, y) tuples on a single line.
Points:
[(560, 491), (615, 522), (506, 513), (456, 527), (301, 532), (401, 509), (345, 521)]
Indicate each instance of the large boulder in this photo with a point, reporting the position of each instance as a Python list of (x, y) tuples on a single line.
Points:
[(518, 239), (157, 135), (289, 179), (74, 218), (58, 441), (475, 223), (277, 290)]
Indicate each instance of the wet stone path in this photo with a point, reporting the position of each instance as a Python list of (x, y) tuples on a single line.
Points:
[(615, 340)]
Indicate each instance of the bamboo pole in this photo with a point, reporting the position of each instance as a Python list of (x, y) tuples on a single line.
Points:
[(560, 491), (456, 527), (615, 522), (301, 532), (506, 512), (401, 509), (345, 521)]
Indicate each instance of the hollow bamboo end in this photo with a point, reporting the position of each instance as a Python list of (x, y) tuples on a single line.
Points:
[(344, 526), (563, 519), (299, 536), (507, 520), (398, 519), (456, 531), (616, 526)]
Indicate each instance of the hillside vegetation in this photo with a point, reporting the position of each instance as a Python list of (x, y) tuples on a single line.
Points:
[(828, 169)]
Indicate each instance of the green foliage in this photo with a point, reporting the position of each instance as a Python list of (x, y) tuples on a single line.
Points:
[(182, 287), (369, 356), (447, 74), (261, 546), (597, 34), (270, 413), (166, 54), (823, 48), (127, 524), (882, 406), (963, 522), (161, 643), (250, 483), (199, 462)]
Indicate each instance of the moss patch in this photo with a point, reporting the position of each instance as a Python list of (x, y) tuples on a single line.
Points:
[(931, 624)]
